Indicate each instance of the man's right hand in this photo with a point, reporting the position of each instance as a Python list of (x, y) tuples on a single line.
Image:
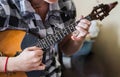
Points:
[(30, 59)]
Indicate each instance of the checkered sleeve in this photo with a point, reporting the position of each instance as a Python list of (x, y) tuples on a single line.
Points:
[(3, 17)]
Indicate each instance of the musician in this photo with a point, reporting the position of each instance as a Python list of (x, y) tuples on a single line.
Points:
[(41, 18)]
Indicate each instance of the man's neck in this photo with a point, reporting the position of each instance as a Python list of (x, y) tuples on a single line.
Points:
[(38, 3), (41, 7)]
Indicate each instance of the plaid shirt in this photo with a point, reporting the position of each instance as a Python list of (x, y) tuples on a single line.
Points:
[(19, 14)]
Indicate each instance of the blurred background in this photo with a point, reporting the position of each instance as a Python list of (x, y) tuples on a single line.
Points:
[(102, 54)]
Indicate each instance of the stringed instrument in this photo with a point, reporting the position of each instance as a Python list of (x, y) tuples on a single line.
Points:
[(12, 41)]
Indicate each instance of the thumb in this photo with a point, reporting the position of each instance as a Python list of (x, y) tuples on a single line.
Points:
[(41, 67)]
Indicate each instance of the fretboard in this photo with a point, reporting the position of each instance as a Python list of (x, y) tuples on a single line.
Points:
[(46, 42)]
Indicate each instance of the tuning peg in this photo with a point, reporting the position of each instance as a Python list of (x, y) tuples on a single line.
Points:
[(112, 5)]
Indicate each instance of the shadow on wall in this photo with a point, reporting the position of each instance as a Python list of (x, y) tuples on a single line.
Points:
[(108, 49)]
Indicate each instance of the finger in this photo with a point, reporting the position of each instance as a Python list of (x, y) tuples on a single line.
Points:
[(81, 31), (76, 38), (82, 25), (38, 52), (37, 59), (39, 56), (41, 67), (75, 33), (33, 48), (82, 34), (85, 21), (79, 34), (36, 64)]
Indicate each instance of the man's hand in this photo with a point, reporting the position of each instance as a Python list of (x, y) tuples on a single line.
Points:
[(30, 59), (81, 30)]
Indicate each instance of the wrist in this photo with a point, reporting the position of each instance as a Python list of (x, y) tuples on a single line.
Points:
[(11, 65), (6, 63)]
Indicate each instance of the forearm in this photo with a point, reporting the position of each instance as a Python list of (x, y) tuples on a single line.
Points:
[(69, 46), (10, 64), (2, 63), (74, 41)]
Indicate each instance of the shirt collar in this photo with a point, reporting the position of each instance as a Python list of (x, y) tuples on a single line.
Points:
[(54, 6)]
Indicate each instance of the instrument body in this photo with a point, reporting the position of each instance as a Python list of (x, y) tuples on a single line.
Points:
[(10, 43)]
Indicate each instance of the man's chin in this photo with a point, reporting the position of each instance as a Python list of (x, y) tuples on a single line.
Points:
[(51, 1)]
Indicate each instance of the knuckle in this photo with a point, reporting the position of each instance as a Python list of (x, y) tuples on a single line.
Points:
[(41, 52), (35, 60), (33, 53), (26, 48), (41, 57), (41, 68), (35, 65), (34, 47)]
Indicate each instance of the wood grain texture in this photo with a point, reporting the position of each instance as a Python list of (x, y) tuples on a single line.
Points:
[(10, 43)]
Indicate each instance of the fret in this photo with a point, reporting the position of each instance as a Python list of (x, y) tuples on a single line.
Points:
[(51, 38), (46, 40), (88, 17), (56, 37), (39, 44), (62, 34), (72, 28), (68, 30), (59, 35), (43, 43), (65, 31)]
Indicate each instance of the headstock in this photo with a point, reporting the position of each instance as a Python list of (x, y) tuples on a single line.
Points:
[(101, 11)]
